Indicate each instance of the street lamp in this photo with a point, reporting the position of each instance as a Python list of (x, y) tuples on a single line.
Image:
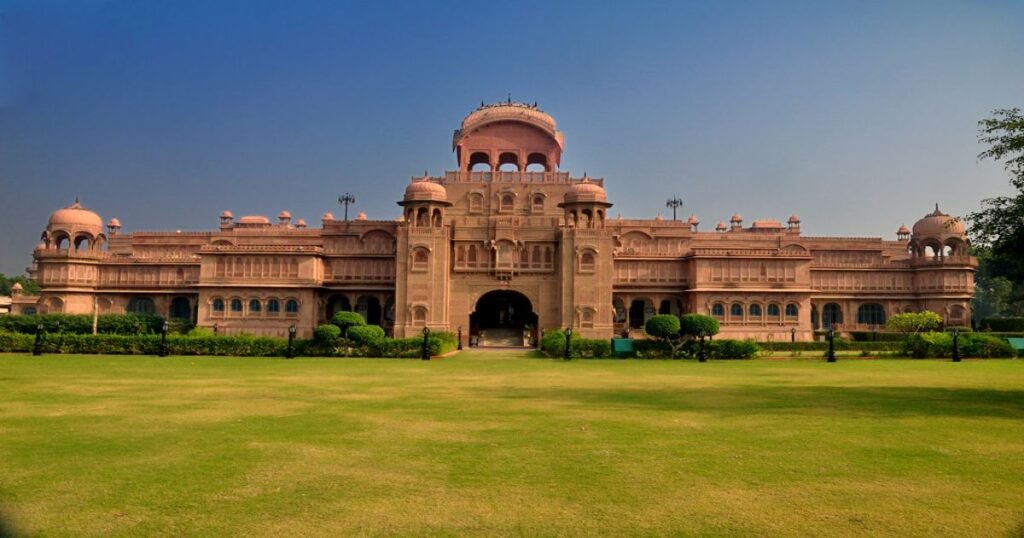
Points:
[(459, 347), (792, 334), (345, 200), (37, 349), (956, 345), (425, 351), (215, 329), (568, 343), (289, 352), (163, 340), (831, 355), (702, 357), (674, 203)]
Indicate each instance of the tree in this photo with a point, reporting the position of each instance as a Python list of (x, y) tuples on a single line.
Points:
[(693, 324), (664, 327), (344, 320), (29, 286), (914, 322), (999, 226)]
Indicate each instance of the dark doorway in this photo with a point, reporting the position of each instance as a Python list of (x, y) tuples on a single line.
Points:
[(338, 303), (503, 311), (369, 307), (638, 313), (180, 309)]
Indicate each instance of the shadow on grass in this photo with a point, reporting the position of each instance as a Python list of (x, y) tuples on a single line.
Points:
[(744, 400)]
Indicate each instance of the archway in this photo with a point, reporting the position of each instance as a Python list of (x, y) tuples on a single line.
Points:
[(180, 308), (338, 303), (501, 318)]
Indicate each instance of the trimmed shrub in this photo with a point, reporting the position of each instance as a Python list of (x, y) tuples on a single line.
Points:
[(940, 345), (327, 334), (344, 320), (662, 326), (985, 347), (363, 335), (869, 336), (82, 323), (1008, 325), (727, 349), (692, 324), (652, 349), (553, 344), (914, 322)]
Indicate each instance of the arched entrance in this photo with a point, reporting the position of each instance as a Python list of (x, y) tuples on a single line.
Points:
[(501, 318)]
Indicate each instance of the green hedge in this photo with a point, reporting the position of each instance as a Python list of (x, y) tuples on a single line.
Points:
[(362, 335), (940, 345), (720, 349), (869, 336), (82, 323), (1006, 325), (553, 344), (240, 346), (840, 344)]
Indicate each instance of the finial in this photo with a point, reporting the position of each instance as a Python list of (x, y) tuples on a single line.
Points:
[(510, 98), (76, 201), (425, 174), (482, 103), (535, 104), (936, 207)]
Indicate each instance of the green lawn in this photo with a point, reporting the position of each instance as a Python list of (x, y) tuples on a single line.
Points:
[(486, 443)]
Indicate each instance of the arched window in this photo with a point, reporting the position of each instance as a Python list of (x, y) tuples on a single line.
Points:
[(141, 305), (536, 162), (538, 202), (871, 314), (587, 262), (273, 306), (236, 305), (479, 162), (218, 305), (773, 311), (736, 310), (255, 305), (587, 318), (718, 310), (831, 315), (476, 202), (419, 316), (508, 162), (28, 311), (508, 203), (754, 311), (420, 256), (291, 306), (792, 310)]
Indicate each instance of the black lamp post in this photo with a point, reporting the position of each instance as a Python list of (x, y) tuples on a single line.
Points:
[(345, 200), (163, 340), (459, 347), (831, 355), (702, 357), (37, 349), (289, 352), (568, 344), (874, 333), (956, 345), (425, 351), (215, 329), (792, 334), (674, 203)]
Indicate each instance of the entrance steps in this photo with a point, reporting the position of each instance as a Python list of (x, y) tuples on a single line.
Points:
[(502, 338)]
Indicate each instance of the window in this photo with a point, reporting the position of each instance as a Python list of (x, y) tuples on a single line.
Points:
[(507, 203), (141, 305), (255, 306), (831, 315), (871, 314), (755, 311), (587, 262), (736, 310), (28, 311), (273, 306), (476, 203), (236, 305), (587, 319), (792, 310), (773, 311), (538, 202), (291, 306), (218, 305), (419, 259), (419, 316), (718, 310)]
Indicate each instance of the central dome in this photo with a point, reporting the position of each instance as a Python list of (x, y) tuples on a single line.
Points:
[(584, 192), (509, 111), (938, 224)]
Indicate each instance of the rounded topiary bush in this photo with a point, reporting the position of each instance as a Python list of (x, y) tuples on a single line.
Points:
[(662, 326), (344, 320), (327, 334), (364, 335), (693, 324)]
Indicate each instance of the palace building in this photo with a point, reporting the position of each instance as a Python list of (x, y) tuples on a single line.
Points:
[(505, 244)]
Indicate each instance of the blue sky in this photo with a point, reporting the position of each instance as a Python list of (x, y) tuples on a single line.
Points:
[(857, 116)]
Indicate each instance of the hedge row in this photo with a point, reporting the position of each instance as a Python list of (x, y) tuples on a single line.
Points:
[(840, 345), (1008, 325), (240, 346), (721, 349), (936, 345), (553, 344), (82, 323)]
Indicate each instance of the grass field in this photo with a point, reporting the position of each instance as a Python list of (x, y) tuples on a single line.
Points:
[(486, 443)]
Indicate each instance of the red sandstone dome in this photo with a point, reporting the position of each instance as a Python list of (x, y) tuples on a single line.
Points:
[(76, 216), (425, 190), (903, 230), (793, 219), (584, 192), (113, 223), (509, 111), (253, 219), (938, 224), (692, 221)]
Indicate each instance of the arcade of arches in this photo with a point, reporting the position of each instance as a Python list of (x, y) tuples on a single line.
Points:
[(504, 240)]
